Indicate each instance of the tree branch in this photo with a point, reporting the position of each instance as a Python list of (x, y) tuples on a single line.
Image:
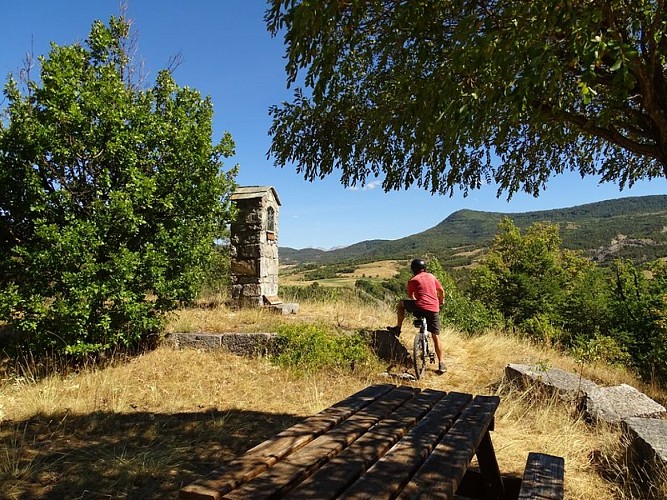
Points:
[(612, 135)]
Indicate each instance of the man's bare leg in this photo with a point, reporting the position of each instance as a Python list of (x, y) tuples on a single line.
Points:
[(400, 313), (400, 316), (438, 351)]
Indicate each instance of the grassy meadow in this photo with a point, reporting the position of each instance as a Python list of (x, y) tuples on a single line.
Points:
[(372, 270), (144, 426)]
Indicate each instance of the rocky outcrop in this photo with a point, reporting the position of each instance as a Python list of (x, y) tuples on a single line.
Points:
[(617, 244)]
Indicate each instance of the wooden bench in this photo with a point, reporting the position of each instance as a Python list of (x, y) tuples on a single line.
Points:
[(382, 442), (543, 477)]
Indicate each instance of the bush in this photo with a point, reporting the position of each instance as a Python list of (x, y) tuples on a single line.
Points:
[(218, 273), (314, 292), (540, 329), (371, 287), (600, 349), (460, 311), (639, 316), (117, 196), (307, 348), (468, 315)]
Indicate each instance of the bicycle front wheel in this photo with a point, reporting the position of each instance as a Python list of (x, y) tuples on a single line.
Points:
[(419, 355)]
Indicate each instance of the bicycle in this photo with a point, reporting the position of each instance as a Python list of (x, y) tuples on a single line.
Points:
[(422, 346)]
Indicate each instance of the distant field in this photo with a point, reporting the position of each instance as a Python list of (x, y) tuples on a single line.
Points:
[(469, 253), (374, 270)]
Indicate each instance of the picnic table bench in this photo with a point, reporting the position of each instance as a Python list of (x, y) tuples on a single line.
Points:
[(385, 441)]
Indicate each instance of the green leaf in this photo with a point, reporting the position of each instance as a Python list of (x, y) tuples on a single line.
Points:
[(112, 197), (448, 95)]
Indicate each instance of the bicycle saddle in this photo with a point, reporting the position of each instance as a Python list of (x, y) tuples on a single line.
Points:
[(417, 322)]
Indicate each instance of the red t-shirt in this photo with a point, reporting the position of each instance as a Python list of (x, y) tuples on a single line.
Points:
[(424, 288)]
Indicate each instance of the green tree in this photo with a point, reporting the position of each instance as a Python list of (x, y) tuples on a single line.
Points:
[(521, 276), (586, 309), (639, 315), (111, 197), (527, 277), (427, 92), (460, 311)]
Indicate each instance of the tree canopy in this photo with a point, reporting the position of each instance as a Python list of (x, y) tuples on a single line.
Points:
[(555, 295), (111, 197), (452, 94)]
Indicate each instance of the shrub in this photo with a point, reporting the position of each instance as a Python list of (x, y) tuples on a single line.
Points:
[(307, 348), (459, 310), (371, 287), (600, 349), (218, 273), (468, 315), (540, 329), (117, 196), (639, 308), (315, 292)]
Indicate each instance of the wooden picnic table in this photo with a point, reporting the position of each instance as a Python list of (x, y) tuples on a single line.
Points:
[(385, 441)]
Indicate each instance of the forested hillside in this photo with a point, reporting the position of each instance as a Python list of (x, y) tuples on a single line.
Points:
[(633, 227)]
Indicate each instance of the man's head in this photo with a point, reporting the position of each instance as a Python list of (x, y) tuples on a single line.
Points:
[(417, 266)]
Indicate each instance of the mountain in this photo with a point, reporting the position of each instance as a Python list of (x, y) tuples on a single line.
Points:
[(634, 227), (293, 256)]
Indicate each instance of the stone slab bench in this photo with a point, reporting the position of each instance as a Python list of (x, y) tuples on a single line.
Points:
[(618, 403), (569, 387), (648, 438), (243, 344), (640, 416), (284, 309)]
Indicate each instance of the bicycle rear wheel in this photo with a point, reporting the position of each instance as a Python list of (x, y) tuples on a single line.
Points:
[(419, 355)]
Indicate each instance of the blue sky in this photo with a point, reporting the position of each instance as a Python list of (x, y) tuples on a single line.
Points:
[(229, 56)]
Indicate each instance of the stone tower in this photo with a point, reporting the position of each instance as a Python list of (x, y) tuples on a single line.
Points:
[(254, 246)]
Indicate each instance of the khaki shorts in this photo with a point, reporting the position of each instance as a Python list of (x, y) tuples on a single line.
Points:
[(432, 318)]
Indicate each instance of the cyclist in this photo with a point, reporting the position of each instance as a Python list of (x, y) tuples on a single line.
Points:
[(425, 296)]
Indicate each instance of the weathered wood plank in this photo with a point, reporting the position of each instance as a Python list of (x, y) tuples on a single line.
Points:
[(294, 468), (488, 464), (441, 474), (472, 485), (543, 477), (329, 481), (267, 453), (388, 475)]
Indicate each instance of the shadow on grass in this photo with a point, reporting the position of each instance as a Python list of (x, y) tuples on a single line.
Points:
[(137, 455)]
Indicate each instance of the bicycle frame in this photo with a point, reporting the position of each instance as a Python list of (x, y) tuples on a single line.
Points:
[(421, 348)]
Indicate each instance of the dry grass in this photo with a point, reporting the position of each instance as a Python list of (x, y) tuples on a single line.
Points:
[(339, 313), (144, 427)]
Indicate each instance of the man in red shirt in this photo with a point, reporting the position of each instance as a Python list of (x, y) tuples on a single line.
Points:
[(426, 295)]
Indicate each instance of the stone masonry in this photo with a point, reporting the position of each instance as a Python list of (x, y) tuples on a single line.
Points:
[(254, 246)]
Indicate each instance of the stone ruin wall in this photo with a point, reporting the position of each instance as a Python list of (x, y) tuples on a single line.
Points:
[(254, 251)]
